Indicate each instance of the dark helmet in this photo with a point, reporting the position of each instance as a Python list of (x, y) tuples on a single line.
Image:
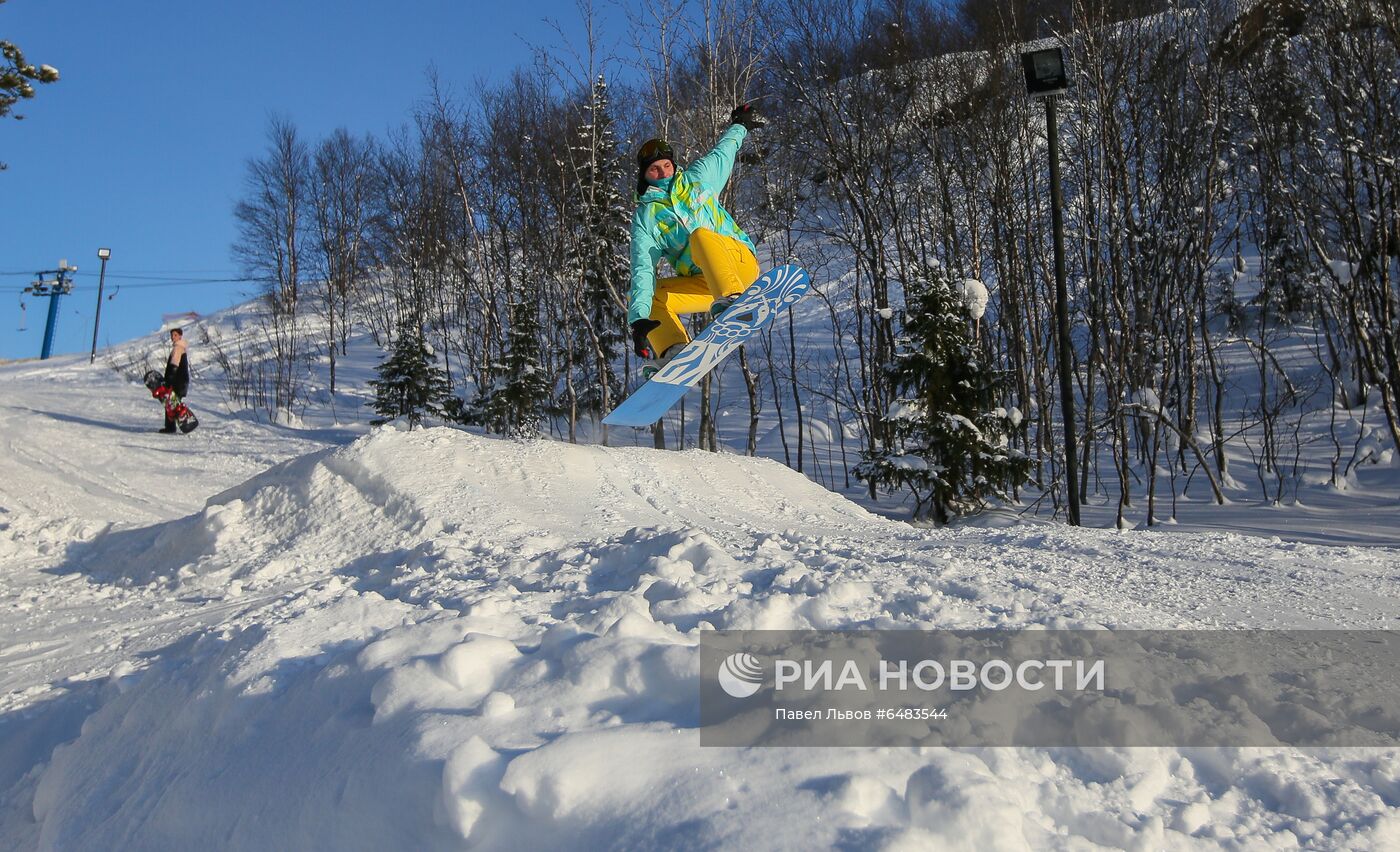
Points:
[(650, 152)]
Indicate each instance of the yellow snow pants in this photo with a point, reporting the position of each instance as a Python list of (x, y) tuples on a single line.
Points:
[(727, 268)]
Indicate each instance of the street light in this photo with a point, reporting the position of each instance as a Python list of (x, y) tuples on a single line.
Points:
[(103, 253), (1046, 79), (1045, 71)]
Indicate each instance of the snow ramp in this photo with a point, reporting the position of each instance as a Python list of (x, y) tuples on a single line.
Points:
[(444, 641), (355, 509)]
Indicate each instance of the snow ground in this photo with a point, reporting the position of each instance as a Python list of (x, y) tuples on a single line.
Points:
[(260, 637)]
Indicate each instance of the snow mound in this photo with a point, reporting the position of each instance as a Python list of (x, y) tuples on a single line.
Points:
[(455, 641), (416, 495)]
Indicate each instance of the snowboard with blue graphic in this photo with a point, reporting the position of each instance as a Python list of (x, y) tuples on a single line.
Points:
[(774, 292)]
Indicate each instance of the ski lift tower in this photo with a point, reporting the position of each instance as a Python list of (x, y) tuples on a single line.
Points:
[(54, 288)]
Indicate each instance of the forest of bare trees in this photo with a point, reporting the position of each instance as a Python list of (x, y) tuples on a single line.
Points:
[(1232, 197)]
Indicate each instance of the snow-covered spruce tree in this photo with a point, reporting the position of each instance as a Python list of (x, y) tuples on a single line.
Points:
[(598, 253), (948, 441), (17, 78), (517, 402), (410, 382)]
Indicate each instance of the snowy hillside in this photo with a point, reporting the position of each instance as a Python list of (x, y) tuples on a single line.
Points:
[(1359, 508), (257, 637)]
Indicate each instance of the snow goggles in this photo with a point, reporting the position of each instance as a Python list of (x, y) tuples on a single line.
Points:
[(653, 150)]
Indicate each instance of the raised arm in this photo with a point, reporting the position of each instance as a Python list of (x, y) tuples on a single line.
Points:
[(712, 171)]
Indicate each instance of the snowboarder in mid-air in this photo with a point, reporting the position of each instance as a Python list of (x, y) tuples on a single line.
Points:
[(679, 217)]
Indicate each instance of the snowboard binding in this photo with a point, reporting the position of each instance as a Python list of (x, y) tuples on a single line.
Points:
[(720, 310), (656, 366)]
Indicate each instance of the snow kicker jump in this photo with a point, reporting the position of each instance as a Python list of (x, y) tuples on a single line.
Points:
[(774, 291)]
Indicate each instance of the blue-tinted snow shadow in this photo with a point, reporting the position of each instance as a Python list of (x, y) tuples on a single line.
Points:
[(318, 709), (101, 424)]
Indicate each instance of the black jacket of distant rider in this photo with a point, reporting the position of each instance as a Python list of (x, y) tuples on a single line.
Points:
[(177, 376)]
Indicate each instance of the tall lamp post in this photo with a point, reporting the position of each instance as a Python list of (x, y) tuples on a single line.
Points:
[(1046, 79), (103, 253)]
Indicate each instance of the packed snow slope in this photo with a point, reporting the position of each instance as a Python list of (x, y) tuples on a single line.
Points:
[(435, 640)]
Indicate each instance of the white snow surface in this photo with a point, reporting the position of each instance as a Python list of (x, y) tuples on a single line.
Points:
[(254, 637)]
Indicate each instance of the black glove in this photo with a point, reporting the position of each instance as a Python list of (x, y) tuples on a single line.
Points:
[(640, 329), (746, 115)]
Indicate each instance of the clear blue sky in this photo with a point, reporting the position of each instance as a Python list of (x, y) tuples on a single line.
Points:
[(142, 146)]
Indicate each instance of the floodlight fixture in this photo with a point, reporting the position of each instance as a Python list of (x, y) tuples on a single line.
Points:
[(1046, 71)]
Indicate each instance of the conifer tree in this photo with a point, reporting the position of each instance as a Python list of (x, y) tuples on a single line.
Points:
[(948, 436), (516, 404), (17, 78), (599, 252), (410, 383)]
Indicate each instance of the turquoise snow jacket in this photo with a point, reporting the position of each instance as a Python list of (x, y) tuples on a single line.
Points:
[(668, 212)]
